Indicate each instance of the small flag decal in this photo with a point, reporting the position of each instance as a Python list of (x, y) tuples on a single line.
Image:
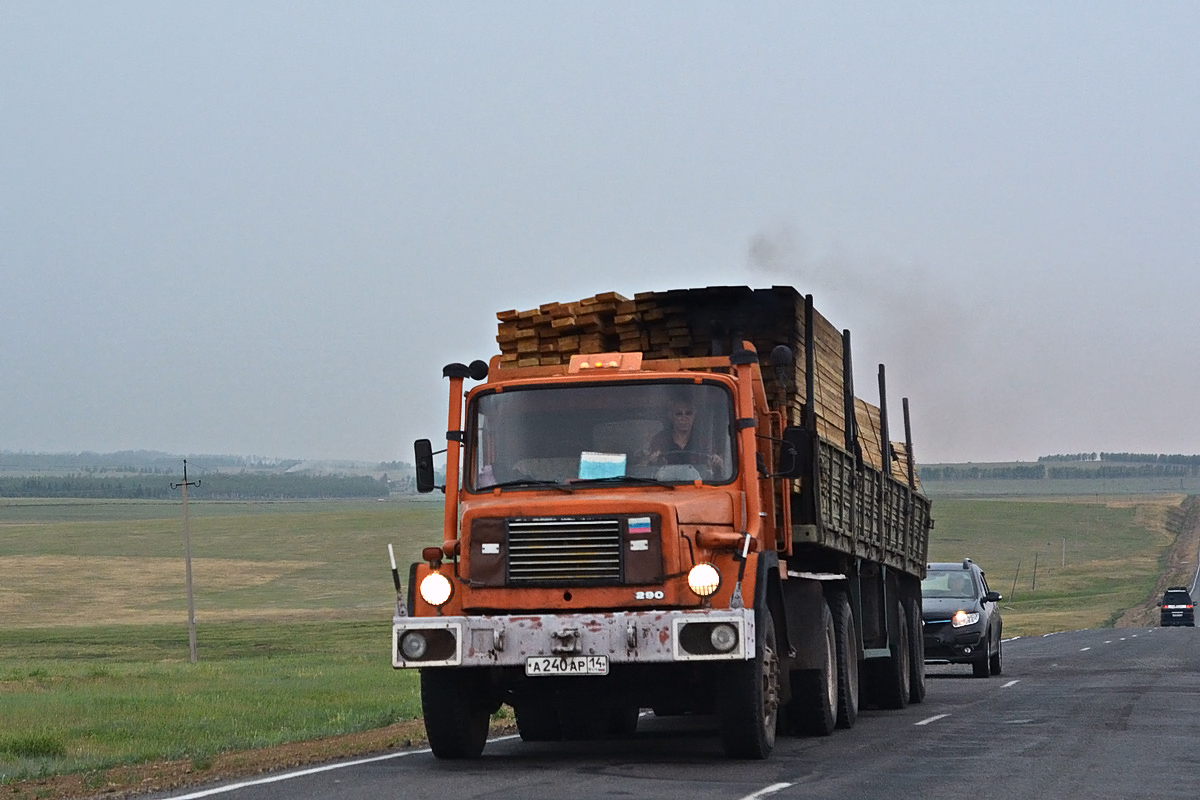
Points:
[(639, 525)]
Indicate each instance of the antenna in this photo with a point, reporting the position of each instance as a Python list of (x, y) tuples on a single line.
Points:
[(187, 562)]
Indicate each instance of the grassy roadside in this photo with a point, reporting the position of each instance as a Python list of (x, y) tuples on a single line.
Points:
[(1063, 563), (83, 700)]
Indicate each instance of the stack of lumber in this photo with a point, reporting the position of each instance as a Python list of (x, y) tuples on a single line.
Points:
[(685, 323), (553, 332)]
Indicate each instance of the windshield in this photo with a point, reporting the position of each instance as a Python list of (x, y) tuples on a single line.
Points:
[(629, 431), (958, 583)]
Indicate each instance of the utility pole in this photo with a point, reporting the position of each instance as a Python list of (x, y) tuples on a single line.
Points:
[(187, 562)]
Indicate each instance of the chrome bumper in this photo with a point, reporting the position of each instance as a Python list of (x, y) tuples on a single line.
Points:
[(634, 637)]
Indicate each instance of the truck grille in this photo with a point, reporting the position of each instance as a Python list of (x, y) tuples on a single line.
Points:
[(564, 550)]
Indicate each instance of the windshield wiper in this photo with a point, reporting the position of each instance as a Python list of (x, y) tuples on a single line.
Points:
[(634, 479), (516, 482)]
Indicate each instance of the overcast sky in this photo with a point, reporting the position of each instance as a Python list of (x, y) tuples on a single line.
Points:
[(263, 228)]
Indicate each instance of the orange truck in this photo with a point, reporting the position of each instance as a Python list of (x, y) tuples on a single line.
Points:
[(673, 502)]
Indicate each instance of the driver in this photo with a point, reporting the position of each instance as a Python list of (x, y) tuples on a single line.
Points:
[(677, 437), (960, 585)]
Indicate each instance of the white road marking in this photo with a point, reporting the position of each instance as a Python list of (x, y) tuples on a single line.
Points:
[(1010, 683), (772, 789), (930, 719), (1084, 649), (233, 787)]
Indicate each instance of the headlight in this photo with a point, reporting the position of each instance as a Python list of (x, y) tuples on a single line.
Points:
[(413, 645), (704, 579), (723, 638), (964, 618), (435, 589)]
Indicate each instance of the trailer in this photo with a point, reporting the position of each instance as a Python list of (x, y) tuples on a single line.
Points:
[(672, 502)]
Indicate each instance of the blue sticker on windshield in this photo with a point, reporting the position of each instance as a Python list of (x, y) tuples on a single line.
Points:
[(601, 465)]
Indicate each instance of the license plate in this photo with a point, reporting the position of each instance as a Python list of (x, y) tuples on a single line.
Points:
[(536, 666)]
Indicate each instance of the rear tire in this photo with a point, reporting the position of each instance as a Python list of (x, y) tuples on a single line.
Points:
[(814, 705), (916, 656), (893, 674), (748, 697), (456, 712), (847, 659)]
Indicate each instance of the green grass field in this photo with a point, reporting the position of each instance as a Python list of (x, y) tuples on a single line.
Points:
[(294, 605), (1094, 556)]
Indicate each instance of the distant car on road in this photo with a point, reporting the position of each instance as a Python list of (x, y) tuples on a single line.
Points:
[(962, 618), (1177, 607)]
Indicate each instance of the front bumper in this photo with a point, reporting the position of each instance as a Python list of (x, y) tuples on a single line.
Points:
[(627, 637), (944, 642)]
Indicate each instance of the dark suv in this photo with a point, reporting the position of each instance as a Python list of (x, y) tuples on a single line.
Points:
[(1177, 607), (962, 618)]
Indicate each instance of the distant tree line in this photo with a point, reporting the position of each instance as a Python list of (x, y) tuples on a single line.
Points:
[(1149, 458), (1069, 457), (214, 486), (133, 461), (1048, 470), (974, 472)]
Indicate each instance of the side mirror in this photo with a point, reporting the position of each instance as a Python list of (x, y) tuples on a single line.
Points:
[(795, 453), (992, 597), (424, 465)]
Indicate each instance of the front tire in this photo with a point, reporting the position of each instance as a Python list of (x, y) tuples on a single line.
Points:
[(537, 720), (996, 663), (748, 697), (456, 712)]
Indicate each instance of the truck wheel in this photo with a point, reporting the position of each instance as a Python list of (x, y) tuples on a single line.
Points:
[(893, 674), (537, 720), (748, 697), (623, 721), (847, 660), (916, 656), (456, 712), (813, 709)]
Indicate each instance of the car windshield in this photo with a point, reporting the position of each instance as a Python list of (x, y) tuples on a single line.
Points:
[(1177, 599), (637, 431), (957, 583)]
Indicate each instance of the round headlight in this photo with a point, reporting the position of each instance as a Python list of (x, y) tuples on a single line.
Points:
[(723, 638), (704, 580), (413, 645), (435, 589)]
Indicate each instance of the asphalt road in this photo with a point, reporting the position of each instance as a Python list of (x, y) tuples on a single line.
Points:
[(1088, 714)]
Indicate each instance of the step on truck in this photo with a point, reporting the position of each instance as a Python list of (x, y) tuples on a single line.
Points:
[(673, 502)]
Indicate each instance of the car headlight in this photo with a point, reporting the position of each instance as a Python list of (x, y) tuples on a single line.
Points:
[(964, 618), (704, 579), (436, 589)]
